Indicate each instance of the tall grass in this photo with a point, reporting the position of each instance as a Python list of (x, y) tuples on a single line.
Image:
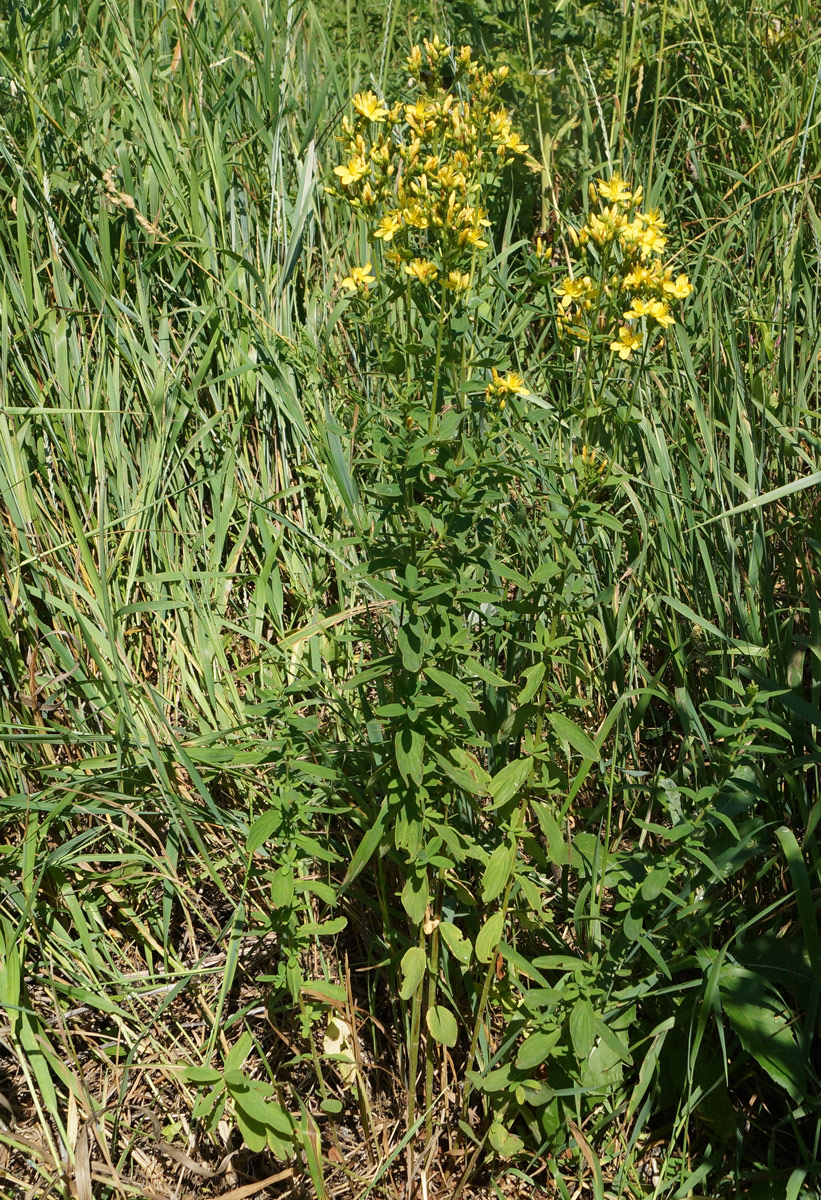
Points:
[(190, 631)]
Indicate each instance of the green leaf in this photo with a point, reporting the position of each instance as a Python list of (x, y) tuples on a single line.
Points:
[(201, 1075), (655, 883), (807, 910), (494, 1081), (264, 827), (456, 942), (758, 1016), (506, 783), (535, 1049), (497, 872), (415, 896), (409, 745), (412, 967), (238, 1053), (570, 732), (612, 1040), (254, 1135), (492, 677), (582, 1028), (442, 1025), (489, 937), (556, 846), (366, 847), (206, 1101), (282, 888), (410, 641), (503, 1141), (460, 692), (533, 677)]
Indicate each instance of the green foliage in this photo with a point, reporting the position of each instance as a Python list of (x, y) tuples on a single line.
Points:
[(370, 651)]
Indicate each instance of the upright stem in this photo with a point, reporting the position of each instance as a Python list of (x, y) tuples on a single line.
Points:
[(438, 363), (433, 972), (413, 1051), (480, 1012)]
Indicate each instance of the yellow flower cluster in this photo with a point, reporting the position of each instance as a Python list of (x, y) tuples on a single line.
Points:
[(621, 276), (502, 386), (420, 173)]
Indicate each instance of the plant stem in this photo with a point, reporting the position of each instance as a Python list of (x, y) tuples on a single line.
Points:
[(413, 1049), (474, 1041), (440, 334), (433, 972)]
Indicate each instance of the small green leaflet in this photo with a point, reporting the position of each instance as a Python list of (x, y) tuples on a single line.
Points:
[(412, 966), (409, 745), (506, 783), (582, 1028), (366, 847), (497, 872), (533, 677), (456, 942), (535, 1049), (575, 737), (442, 1025), (460, 692), (489, 937)]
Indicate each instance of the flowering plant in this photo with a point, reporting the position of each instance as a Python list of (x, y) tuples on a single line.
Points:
[(620, 288), (421, 174)]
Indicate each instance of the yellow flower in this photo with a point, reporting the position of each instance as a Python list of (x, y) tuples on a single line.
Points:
[(450, 177), (572, 290), (632, 234), (422, 270), (603, 227), (352, 171), (628, 341), (652, 242), (652, 219), (390, 224), (510, 384), (457, 281), (680, 289), (638, 309), (415, 215), (660, 312), (657, 309), (640, 277), (616, 190), (359, 279), (369, 106), (514, 384), (474, 238), (436, 50), (515, 145), (421, 115)]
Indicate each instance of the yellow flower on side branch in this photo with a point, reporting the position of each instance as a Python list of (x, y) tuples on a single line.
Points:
[(618, 255), (369, 106), (628, 342), (359, 279), (422, 270), (501, 386), (352, 171)]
